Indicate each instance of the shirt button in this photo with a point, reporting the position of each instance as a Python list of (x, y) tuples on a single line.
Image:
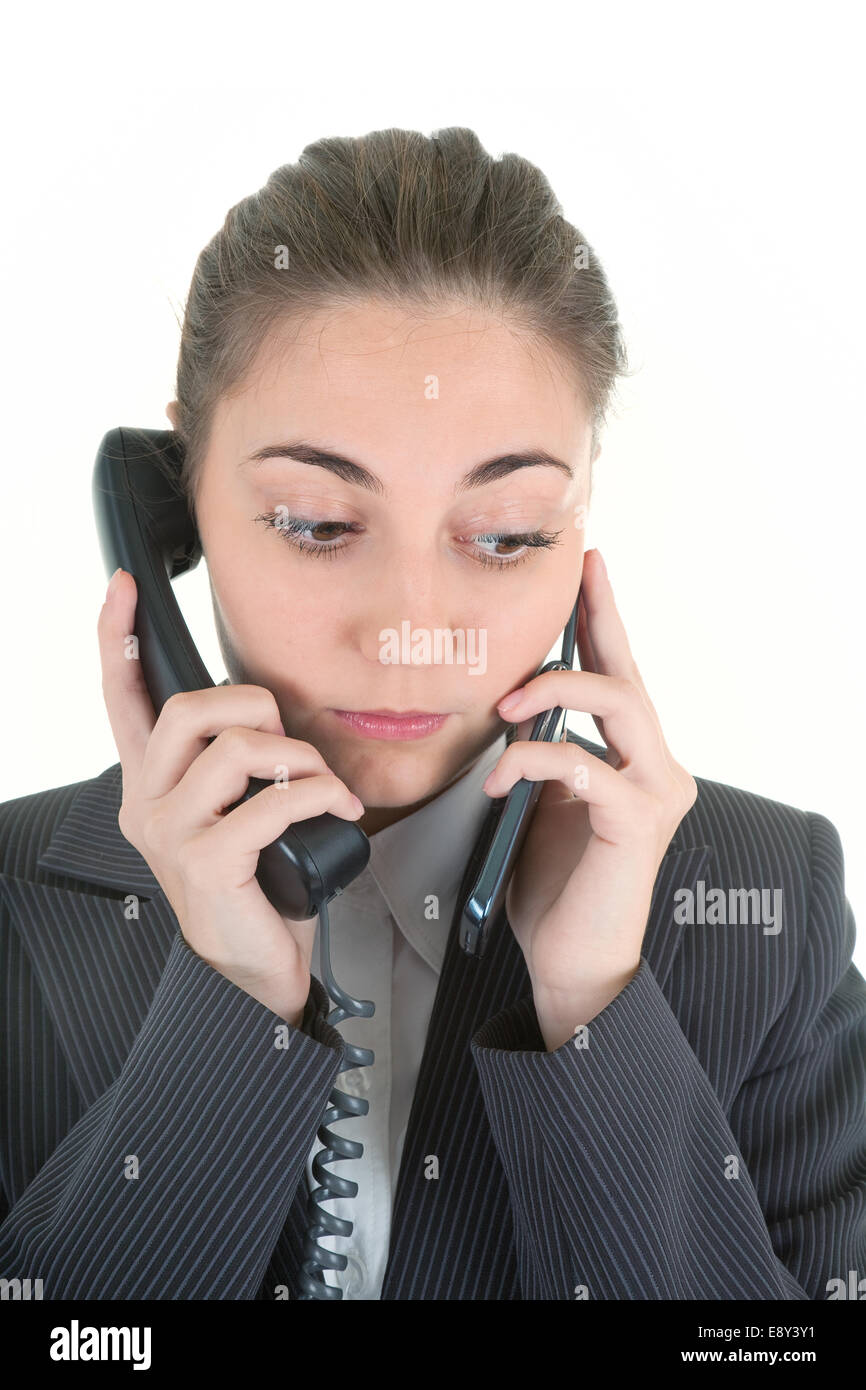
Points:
[(356, 1274)]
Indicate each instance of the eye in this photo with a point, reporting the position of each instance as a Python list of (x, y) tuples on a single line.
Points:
[(526, 540), (294, 529)]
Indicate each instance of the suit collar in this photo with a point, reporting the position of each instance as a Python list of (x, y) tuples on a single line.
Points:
[(89, 845)]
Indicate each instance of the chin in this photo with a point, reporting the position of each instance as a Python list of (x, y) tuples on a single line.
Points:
[(395, 773), (380, 782)]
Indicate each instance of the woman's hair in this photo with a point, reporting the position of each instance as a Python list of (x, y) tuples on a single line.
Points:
[(411, 220)]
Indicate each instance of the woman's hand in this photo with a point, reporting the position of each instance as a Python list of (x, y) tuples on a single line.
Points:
[(176, 786), (579, 899)]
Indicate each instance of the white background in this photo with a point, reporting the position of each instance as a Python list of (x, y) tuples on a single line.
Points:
[(712, 155)]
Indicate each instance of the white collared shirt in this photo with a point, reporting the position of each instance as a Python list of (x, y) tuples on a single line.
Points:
[(388, 932)]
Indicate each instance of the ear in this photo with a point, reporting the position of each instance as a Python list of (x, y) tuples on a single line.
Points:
[(171, 412)]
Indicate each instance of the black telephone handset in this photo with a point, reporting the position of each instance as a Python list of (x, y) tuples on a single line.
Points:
[(145, 527)]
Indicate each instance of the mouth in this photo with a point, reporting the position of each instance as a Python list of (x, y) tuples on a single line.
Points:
[(391, 724)]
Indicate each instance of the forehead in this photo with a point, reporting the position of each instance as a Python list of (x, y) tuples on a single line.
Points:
[(380, 377)]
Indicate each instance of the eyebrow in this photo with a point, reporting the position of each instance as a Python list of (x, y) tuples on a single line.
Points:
[(489, 471)]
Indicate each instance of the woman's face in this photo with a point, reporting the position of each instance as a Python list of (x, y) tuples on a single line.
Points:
[(418, 404)]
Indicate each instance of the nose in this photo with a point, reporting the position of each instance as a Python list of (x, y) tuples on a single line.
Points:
[(417, 595)]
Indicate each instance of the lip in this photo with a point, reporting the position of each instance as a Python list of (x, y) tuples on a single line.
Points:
[(389, 724)]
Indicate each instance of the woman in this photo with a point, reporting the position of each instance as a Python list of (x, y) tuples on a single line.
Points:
[(397, 357)]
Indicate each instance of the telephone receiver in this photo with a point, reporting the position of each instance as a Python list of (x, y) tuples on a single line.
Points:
[(145, 526)]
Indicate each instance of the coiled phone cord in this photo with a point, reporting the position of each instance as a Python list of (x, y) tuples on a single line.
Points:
[(316, 1257)]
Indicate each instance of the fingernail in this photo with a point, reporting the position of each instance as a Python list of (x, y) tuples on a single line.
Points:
[(511, 701), (359, 805), (110, 590)]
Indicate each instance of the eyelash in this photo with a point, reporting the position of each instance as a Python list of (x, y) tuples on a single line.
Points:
[(291, 526)]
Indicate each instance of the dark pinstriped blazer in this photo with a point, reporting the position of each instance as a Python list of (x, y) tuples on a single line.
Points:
[(709, 1141)]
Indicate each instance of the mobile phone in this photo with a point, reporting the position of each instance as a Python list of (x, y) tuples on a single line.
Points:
[(485, 900)]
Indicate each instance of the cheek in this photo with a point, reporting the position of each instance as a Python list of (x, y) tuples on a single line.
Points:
[(269, 611), (244, 578), (521, 639)]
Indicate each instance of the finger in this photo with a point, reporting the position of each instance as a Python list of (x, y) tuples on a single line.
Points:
[(189, 720), (237, 839), (586, 655), (606, 629), (584, 641), (586, 777), (127, 701), (630, 728), (219, 776), (607, 634)]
